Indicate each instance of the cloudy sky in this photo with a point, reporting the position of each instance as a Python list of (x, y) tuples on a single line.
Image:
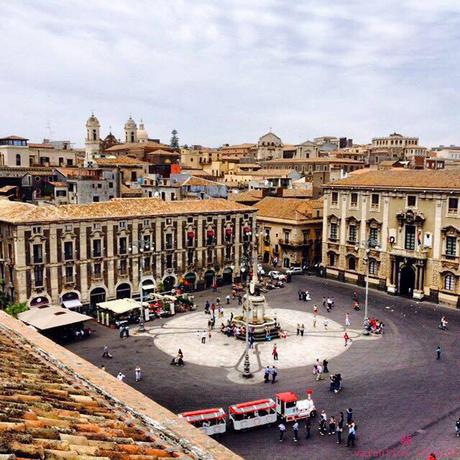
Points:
[(225, 71)]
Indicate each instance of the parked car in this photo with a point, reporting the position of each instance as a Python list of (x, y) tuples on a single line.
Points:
[(294, 271), (274, 274)]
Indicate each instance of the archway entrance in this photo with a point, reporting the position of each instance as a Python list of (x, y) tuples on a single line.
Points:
[(71, 300), (39, 301), (148, 287), (169, 282), (123, 291), (266, 257), (209, 278), (227, 276), (406, 280), (190, 279), (97, 295)]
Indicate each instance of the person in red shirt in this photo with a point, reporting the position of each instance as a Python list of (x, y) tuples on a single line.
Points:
[(346, 338)]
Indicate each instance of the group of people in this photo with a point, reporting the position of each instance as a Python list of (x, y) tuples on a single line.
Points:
[(138, 375), (304, 295), (178, 360), (320, 368), (332, 426), (373, 325), (270, 374)]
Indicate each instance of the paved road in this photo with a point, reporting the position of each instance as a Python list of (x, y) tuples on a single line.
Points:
[(395, 386)]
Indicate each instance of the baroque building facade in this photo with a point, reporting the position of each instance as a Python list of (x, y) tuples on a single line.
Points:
[(401, 227), (103, 251)]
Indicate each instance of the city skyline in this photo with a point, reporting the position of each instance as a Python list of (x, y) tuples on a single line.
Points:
[(226, 72)]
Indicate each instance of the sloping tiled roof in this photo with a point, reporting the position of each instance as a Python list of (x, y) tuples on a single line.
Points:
[(297, 193), (311, 160), (130, 192), (139, 145), (249, 196), (119, 161), (200, 181), (403, 178), (287, 208), (267, 173), (55, 405), (121, 208)]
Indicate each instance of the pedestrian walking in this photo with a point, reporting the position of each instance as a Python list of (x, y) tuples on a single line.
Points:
[(298, 329), (315, 310), (351, 434), (340, 428), (275, 353), (121, 376), (138, 374), (457, 427), (295, 429), (319, 372), (207, 306), (274, 374), (325, 363), (307, 427), (203, 337), (213, 308), (282, 430), (314, 321), (349, 415), (299, 293), (266, 374), (227, 298), (302, 329), (347, 320), (332, 302), (105, 352), (326, 322), (438, 352), (324, 302), (346, 338)]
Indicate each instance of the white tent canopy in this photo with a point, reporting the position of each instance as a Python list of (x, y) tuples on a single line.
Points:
[(120, 306), (49, 317), (74, 303)]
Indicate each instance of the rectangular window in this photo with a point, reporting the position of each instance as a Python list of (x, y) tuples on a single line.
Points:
[(411, 201), (333, 233), (190, 257), (147, 243), (68, 228), (36, 230), (122, 245), (305, 236), (453, 205), (373, 236), (38, 254), (354, 200), (169, 261), (352, 234), (97, 270), (146, 264), (375, 199), (334, 198), (169, 241), (122, 224), (97, 248), (69, 274), (38, 275), (451, 246), (68, 250), (410, 237), (286, 237), (123, 266)]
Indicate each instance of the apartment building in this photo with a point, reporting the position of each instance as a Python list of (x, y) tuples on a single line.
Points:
[(101, 251), (401, 226)]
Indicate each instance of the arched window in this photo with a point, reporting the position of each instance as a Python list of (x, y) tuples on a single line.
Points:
[(94, 135), (449, 282), (132, 136), (351, 263), (372, 267), (18, 159)]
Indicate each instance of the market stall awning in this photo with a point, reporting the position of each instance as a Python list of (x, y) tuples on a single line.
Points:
[(49, 317), (120, 306), (74, 303)]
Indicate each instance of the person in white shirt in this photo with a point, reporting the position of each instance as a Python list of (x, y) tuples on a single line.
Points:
[(282, 429), (121, 376), (295, 428)]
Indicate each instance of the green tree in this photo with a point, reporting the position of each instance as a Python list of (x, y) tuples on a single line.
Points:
[(16, 308), (174, 140)]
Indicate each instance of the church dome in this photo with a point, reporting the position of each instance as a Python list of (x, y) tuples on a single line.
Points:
[(142, 135), (130, 124), (92, 121)]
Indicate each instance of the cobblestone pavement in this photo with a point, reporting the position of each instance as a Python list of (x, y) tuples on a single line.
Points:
[(405, 402)]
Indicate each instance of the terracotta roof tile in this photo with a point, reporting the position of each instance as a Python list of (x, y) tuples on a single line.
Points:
[(288, 208), (403, 178), (121, 208)]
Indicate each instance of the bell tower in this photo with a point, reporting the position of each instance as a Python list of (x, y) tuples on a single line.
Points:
[(130, 131), (93, 140)]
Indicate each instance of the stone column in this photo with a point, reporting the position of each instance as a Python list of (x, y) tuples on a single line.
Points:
[(83, 265), (110, 263)]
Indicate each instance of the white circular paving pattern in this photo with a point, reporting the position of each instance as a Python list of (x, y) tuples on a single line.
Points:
[(185, 332)]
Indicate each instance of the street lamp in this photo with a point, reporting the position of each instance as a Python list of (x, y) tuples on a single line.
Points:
[(250, 286), (371, 243), (142, 246)]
